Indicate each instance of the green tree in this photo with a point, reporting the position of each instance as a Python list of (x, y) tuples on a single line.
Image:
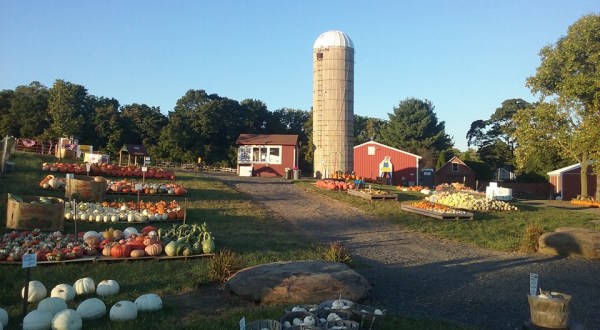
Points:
[(414, 127), (29, 108), (142, 124), (569, 74), (8, 122), (66, 106), (107, 126), (366, 129), (494, 137)]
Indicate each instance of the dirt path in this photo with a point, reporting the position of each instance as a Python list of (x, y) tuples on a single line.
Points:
[(419, 276)]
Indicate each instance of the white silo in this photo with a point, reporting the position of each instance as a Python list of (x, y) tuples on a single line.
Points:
[(333, 103)]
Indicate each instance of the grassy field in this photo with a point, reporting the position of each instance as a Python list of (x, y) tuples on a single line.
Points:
[(494, 230), (237, 225)]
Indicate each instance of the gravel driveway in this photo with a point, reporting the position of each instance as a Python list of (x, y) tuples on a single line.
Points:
[(420, 276)]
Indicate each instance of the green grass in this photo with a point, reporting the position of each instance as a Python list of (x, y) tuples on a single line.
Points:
[(236, 223), (494, 230)]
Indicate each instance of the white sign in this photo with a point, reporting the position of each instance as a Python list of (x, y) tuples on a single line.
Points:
[(29, 260), (533, 283), (243, 323), (144, 169), (88, 166), (70, 176), (138, 186)]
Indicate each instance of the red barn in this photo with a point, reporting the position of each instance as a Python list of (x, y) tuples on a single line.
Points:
[(455, 171), (373, 160), (566, 181), (267, 154)]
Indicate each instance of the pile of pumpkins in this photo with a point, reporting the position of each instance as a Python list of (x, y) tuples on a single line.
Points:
[(53, 312)]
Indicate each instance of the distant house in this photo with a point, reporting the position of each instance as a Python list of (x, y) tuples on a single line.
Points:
[(456, 171), (266, 154), (374, 160), (505, 173), (566, 181)]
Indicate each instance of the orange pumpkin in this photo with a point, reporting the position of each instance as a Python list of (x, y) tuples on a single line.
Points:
[(120, 251), (150, 240)]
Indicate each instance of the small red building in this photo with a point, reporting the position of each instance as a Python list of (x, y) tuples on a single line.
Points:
[(455, 171), (266, 154), (566, 181), (374, 160)]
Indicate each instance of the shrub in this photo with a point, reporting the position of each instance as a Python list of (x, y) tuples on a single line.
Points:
[(222, 265), (529, 242), (337, 253)]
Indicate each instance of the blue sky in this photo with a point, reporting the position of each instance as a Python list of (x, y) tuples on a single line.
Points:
[(466, 57)]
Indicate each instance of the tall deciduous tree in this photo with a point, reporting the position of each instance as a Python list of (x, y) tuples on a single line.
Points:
[(142, 124), (494, 137), (414, 127), (366, 129), (570, 73), (8, 122), (29, 107), (107, 126), (66, 106)]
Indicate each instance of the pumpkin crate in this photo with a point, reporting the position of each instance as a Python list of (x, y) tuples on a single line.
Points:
[(371, 196), (368, 317), (342, 324), (31, 212), (452, 215)]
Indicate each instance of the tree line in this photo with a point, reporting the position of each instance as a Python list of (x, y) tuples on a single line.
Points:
[(561, 128)]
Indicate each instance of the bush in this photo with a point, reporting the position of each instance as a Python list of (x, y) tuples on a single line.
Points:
[(337, 253), (529, 242), (222, 265)]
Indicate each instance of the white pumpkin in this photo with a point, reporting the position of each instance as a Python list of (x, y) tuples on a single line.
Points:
[(37, 320), (123, 310), (107, 288), (52, 305), (148, 302), (68, 319), (91, 309), (3, 317), (84, 286), (64, 291), (91, 233), (130, 231), (37, 291)]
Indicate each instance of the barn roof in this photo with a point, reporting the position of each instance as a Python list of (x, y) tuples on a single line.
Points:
[(564, 169), (455, 160), (267, 139), (383, 145), (135, 149)]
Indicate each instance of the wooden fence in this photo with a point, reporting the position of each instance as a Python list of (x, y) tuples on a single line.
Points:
[(37, 146)]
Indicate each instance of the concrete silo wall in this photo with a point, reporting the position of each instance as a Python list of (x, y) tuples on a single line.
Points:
[(333, 110)]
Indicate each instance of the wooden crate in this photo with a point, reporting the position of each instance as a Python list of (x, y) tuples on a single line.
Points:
[(443, 216)]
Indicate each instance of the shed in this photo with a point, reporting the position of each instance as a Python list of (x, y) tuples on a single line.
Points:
[(267, 154), (456, 171), (373, 159), (135, 150), (566, 181)]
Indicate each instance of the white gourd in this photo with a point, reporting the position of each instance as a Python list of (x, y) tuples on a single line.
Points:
[(91, 309), (63, 291), (123, 310), (107, 288), (52, 305), (37, 320), (130, 231), (84, 286), (148, 302), (68, 319), (37, 291), (3, 317)]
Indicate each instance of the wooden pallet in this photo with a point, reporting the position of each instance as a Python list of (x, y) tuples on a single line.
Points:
[(368, 196), (103, 258), (443, 216)]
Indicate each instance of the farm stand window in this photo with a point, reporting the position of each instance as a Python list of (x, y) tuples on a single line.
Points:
[(271, 155)]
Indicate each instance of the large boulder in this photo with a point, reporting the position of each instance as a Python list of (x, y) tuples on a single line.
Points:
[(299, 282), (566, 241)]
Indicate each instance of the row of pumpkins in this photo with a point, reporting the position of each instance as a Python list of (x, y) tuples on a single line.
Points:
[(53, 313)]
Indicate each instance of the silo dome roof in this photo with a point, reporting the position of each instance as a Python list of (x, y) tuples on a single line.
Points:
[(333, 38)]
